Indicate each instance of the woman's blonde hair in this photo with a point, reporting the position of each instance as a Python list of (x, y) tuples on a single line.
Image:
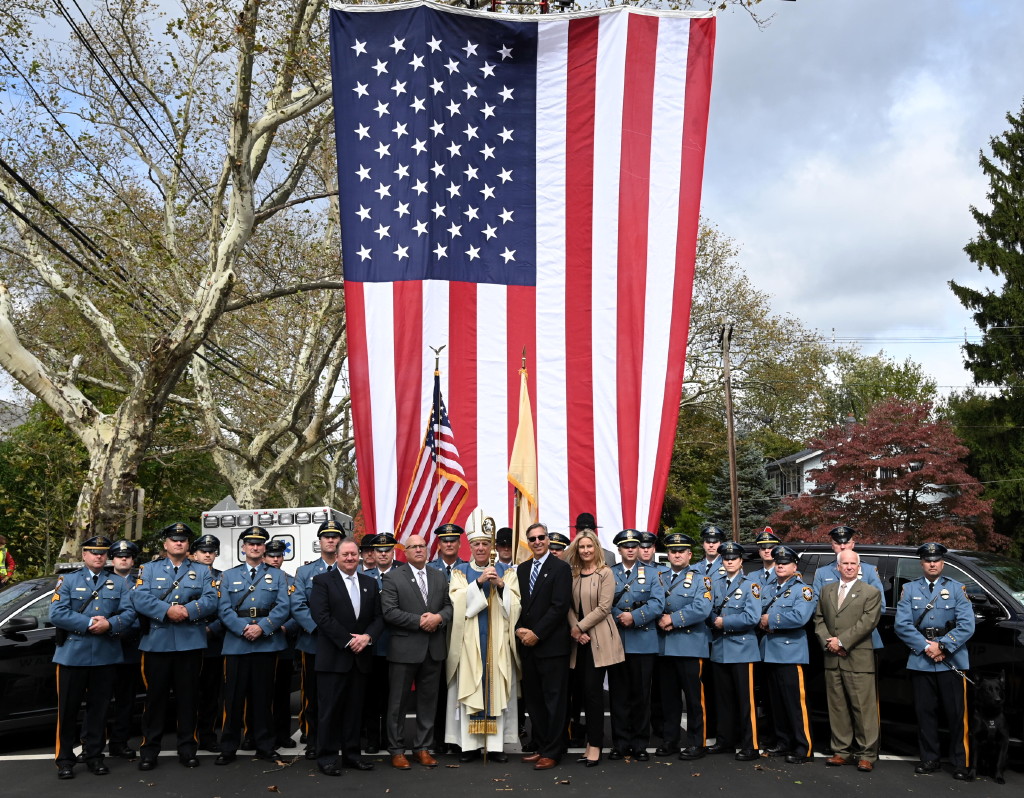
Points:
[(572, 553)]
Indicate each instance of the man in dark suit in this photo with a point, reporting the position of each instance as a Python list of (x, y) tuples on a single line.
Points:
[(543, 633), (345, 606), (848, 612), (418, 612)]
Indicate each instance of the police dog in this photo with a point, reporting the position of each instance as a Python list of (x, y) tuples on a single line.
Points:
[(990, 737)]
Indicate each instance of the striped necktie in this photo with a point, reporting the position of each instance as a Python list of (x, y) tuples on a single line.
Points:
[(534, 573)]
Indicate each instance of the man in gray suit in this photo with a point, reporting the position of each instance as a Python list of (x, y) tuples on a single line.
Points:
[(418, 611), (848, 611)]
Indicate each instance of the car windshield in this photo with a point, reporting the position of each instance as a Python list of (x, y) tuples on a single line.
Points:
[(14, 595), (1009, 572)]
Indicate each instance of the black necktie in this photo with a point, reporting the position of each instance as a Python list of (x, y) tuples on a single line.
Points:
[(448, 568), (931, 587), (673, 579), (252, 574), (95, 578), (628, 572), (330, 568), (175, 570)]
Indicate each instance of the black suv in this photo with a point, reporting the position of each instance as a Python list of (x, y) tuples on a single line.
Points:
[(28, 684), (995, 586)]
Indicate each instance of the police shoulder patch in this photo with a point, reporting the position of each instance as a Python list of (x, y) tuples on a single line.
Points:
[(291, 589), (808, 593), (707, 595), (964, 588), (707, 582), (755, 589), (56, 590)]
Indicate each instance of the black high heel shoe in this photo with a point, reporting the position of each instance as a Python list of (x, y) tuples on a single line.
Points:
[(591, 763)]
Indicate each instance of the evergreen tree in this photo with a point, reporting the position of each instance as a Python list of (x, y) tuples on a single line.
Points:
[(756, 494), (998, 358)]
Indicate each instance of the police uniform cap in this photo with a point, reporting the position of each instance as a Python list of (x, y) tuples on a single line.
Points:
[(124, 548), (178, 531), (677, 541), (97, 543), (448, 532), (730, 550), (205, 543), (503, 537), (648, 540), (932, 552), (767, 537), (630, 538), (558, 541), (585, 521), (366, 542), (784, 555), (330, 528), (385, 540), (842, 534), (276, 547), (712, 534), (254, 534)]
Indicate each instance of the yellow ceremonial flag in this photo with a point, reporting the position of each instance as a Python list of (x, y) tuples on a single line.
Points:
[(522, 472)]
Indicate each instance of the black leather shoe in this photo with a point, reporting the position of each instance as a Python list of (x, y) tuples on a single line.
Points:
[(147, 764), (310, 754), (329, 770), (122, 752), (747, 755), (97, 768), (188, 761), (692, 752), (372, 746), (268, 756), (928, 766), (663, 750), (469, 756), (793, 759), (615, 754), (591, 763), (225, 758), (287, 742), (497, 756), (777, 750), (961, 775), (248, 744), (718, 748), (209, 745), (66, 772), (358, 764), (641, 755)]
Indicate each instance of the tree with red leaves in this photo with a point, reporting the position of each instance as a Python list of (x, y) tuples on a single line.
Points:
[(897, 478)]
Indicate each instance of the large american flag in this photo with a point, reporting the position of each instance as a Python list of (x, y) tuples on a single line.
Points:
[(512, 182), (438, 489)]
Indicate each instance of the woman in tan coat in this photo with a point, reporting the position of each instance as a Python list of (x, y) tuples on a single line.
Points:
[(598, 644)]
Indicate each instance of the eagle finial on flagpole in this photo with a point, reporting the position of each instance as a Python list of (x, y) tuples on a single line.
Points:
[(437, 357)]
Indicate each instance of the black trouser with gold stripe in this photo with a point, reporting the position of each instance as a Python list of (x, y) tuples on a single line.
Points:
[(95, 684), (162, 672), (681, 678), (948, 689), (734, 700), (249, 684), (308, 712), (788, 693)]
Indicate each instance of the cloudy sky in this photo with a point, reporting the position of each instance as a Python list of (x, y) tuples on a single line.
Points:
[(843, 159)]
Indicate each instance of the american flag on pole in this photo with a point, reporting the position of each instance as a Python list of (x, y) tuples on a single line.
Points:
[(521, 181), (438, 488)]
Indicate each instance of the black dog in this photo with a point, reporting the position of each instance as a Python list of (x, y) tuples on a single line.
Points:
[(990, 737)]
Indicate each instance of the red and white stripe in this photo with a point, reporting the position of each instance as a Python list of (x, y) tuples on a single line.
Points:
[(622, 116)]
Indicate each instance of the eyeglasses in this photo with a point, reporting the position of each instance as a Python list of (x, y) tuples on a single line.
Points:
[(536, 537)]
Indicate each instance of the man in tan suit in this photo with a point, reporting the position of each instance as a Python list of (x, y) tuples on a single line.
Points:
[(848, 611)]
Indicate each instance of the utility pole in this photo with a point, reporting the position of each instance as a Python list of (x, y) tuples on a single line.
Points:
[(734, 494)]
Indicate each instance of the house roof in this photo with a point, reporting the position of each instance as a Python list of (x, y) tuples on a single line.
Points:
[(795, 459)]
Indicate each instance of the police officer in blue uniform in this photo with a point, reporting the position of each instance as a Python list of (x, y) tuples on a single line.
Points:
[(712, 538), (735, 613), (648, 552), (123, 556), (449, 540), (281, 709), (174, 595), (91, 609), (788, 605), (205, 550), (683, 640), (376, 704), (254, 604), (329, 534), (558, 543), (764, 575), (766, 540), (935, 620), (638, 603), (842, 540)]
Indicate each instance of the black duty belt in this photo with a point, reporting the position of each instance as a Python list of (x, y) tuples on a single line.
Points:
[(252, 612)]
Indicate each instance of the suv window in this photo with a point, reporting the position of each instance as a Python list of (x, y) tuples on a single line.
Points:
[(909, 569), (40, 610)]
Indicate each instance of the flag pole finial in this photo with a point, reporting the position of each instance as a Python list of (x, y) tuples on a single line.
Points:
[(524, 357), (437, 357)]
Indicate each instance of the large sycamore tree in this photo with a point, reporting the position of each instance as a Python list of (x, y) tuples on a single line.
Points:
[(144, 150), (899, 477)]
